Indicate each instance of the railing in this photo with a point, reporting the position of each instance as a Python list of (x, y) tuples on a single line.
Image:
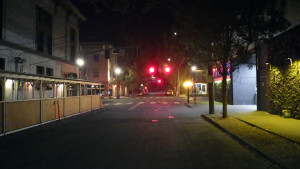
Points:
[(19, 115)]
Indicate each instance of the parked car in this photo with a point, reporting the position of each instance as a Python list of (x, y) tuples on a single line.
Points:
[(142, 92), (169, 93)]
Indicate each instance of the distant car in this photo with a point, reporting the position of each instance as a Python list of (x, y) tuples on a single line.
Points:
[(169, 93)]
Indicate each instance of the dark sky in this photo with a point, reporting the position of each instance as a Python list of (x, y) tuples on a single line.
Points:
[(113, 25)]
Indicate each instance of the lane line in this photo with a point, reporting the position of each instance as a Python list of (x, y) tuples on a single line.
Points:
[(135, 106), (129, 103), (176, 103), (164, 102), (117, 103), (152, 102)]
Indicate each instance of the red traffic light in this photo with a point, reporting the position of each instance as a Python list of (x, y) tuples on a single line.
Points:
[(167, 69), (151, 70)]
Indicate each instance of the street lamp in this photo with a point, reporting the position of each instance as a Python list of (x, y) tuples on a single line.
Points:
[(80, 63), (187, 84), (194, 68), (117, 71)]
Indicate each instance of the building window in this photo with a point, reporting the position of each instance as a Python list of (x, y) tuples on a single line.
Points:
[(96, 57), (40, 70), (1, 18), (43, 31), (2, 64), (49, 71), (73, 44), (96, 74)]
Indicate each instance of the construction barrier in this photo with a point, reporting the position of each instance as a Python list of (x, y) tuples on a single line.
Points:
[(23, 114)]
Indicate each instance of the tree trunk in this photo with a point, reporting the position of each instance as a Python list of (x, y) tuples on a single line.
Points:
[(210, 90), (224, 90)]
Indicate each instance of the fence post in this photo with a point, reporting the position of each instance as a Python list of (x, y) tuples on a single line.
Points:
[(79, 97), (64, 99), (3, 106), (41, 102)]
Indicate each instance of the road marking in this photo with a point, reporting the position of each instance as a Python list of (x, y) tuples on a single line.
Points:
[(151, 97), (164, 102), (157, 97), (129, 103), (152, 102), (117, 103), (106, 104), (135, 106), (176, 103), (164, 97)]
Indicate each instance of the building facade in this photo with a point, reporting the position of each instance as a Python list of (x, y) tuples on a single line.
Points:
[(39, 45), (101, 61), (286, 46), (41, 38)]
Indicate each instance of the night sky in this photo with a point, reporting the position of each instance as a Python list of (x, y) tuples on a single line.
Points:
[(130, 25)]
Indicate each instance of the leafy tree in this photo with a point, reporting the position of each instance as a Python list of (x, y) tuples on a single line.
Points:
[(222, 31)]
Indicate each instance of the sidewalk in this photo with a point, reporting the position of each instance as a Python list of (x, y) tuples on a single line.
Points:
[(270, 136), (285, 127)]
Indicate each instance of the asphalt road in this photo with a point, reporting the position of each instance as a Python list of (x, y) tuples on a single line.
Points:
[(154, 132)]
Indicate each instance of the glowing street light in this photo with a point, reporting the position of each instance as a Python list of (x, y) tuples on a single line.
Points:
[(167, 69), (194, 68), (187, 84), (117, 71), (169, 59), (80, 62)]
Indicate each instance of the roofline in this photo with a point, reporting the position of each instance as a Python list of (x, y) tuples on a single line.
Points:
[(29, 76)]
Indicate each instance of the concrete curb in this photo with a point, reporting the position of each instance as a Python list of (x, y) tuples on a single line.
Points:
[(253, 125), (188, 105), (244, 143)]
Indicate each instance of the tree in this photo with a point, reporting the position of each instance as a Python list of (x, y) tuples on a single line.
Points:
[(222, 31)]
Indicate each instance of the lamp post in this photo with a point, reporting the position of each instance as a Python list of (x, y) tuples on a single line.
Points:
[(117, 71), (187, 84), (194, 68), (80, 63)]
